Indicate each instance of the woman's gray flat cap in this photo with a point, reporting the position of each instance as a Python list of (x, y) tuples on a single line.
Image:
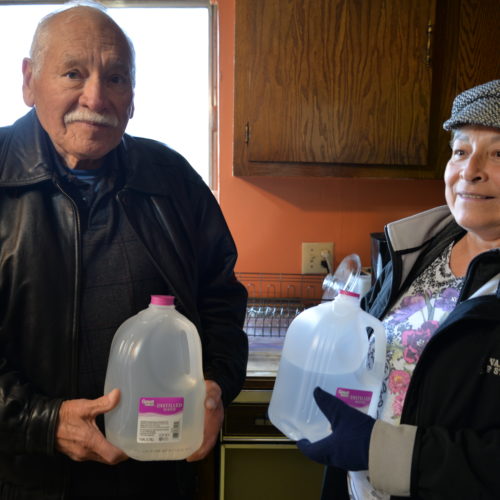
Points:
[(477, 106)]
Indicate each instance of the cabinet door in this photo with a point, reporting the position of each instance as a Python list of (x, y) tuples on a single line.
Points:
[(478, 55), (339, 82)]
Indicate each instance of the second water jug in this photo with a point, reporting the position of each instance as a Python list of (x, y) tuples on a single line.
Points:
[(327, 346)]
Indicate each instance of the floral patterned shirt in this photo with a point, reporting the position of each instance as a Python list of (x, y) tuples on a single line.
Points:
[(409, 325)]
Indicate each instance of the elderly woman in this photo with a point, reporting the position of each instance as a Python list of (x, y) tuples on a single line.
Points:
[(437, 435)]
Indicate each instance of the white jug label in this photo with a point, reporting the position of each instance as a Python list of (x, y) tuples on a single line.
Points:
[(352, 397), (159, 420)]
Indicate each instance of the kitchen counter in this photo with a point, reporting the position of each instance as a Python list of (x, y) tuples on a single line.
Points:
[(264, 355)]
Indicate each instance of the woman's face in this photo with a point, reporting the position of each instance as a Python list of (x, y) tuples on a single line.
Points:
[(472, 179)]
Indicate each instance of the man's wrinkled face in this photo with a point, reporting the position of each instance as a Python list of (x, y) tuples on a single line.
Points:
[(82, 90)]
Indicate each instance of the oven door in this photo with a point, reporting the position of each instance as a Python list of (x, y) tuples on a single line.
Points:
[(257, 461)]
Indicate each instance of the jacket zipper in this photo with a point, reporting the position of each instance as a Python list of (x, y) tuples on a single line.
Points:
[(396, 274), (73, 375)]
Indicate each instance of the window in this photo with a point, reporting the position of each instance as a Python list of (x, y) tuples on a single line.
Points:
[(174, 56)]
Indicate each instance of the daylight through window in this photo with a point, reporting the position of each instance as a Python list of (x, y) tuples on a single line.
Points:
[(173, 85)]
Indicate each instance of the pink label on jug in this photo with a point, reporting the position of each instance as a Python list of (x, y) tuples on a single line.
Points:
[(352, 397), (159, 420), (161, 406)]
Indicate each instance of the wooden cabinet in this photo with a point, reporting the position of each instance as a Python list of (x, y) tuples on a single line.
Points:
[(466, 53), (355, 87)]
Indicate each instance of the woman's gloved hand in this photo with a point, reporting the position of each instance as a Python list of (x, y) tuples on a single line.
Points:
[(347, 446)]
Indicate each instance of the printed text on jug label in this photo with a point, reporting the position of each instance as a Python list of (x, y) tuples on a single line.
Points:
[(352, 397)]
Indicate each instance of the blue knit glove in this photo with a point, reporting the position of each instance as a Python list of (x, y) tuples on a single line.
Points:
[(347, 446)]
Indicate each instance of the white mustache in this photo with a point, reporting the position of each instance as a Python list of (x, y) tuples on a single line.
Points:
[(90, 116)]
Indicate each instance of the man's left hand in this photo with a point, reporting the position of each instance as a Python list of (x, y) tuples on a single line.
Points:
[(214, 415), (347, 447)]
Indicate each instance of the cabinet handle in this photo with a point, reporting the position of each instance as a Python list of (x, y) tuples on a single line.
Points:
[(247, 133), (428, 57)]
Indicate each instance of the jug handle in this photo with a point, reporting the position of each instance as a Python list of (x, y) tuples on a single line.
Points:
[(380, 344)]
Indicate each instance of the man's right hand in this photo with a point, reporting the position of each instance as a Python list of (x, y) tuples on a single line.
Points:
[(77, 434)]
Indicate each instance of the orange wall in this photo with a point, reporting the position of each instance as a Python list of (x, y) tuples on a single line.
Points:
[(270, 217)]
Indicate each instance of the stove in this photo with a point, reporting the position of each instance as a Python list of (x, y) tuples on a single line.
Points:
[(256, 459)]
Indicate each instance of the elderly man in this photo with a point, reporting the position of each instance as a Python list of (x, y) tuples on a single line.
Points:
[(93, 221)]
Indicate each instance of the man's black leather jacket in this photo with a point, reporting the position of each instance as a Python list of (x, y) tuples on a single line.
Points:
[(176, 217)]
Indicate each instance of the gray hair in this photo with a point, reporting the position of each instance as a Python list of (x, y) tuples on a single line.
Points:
[(39, 44)]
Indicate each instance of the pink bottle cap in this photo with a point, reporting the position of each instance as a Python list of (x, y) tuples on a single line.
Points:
[(162, 300), (350, 294)]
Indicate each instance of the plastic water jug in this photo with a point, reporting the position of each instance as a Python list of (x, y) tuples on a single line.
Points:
[(156, 362), (327, 346)]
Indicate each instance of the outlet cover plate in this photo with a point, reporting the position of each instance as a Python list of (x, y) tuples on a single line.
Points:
[(311, 257)]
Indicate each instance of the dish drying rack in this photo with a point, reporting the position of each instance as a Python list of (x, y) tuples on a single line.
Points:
[(274, 300)]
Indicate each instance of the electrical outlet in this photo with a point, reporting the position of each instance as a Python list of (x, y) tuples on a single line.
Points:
[(311, 257)]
